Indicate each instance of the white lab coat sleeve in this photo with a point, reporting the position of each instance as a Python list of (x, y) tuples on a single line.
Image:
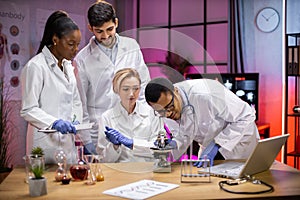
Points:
[(240, 118), (104, 147), (82, 86), (32, 84), (182, 137)]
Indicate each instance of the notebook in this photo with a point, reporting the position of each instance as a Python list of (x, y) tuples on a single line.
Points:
[(261, 159)]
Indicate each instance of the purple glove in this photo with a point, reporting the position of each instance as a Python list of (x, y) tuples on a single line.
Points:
[(210, 153), (172, 143), (116, 136), (110, 136), (64, 126)]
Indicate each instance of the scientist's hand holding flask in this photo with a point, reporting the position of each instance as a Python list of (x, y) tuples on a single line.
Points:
[(64, 126)]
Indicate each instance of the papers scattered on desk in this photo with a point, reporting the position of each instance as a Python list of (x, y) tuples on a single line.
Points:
[(141, 190), (78, 128)]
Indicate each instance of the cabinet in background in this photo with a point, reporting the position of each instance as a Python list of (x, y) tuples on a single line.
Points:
[(292, 92)]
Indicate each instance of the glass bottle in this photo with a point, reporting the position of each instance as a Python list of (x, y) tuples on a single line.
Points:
[(60, 157), (98, 171), (79, 170), (99, 175)]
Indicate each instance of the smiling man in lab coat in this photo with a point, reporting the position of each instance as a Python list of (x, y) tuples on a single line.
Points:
[(207, 112), (106, 53)]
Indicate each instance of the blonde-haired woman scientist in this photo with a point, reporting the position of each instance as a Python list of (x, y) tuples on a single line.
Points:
[(127, 130)]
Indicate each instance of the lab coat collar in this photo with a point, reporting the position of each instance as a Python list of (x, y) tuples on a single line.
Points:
[(184, 96), (104, 47), (52, 60), (94, 47), (139, 109), (122, 46), (96, 52), (140, 113)]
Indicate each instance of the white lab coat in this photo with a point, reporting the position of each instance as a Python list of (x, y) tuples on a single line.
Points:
[(142, 126), (46, 97), (95, 74), (212, 112)]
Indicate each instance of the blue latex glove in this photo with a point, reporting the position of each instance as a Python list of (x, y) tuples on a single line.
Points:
[(210, 153), (64, 126), (119, 137), (172, 143), (89, 149), (110, 136)]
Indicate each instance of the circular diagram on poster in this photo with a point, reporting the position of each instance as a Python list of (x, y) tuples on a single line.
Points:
[(14, 65), (14, 30), (14, 81), (15, 48)]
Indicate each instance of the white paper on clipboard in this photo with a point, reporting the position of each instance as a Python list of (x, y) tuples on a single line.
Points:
[(78, 128)]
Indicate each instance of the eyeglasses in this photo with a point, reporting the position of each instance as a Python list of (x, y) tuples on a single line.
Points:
[(168, 108), (128, 89)]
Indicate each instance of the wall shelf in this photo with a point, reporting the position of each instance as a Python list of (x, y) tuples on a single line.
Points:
[(292, 91)]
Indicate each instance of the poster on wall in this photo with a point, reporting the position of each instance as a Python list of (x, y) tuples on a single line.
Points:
[(42, 16), (14, 45)]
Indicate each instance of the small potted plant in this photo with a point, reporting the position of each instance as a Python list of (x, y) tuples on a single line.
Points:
[(37, 183), (37, 151)]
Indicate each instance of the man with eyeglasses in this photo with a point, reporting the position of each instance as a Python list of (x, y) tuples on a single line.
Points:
[(208, 113)]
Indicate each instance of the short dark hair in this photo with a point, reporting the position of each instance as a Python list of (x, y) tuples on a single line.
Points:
[(100, 13), (157, 86), (60, 24)]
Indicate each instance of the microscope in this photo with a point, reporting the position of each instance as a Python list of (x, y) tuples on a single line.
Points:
[(161, 153)]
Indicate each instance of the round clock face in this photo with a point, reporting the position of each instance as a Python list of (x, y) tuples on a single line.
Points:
[(267, 20)]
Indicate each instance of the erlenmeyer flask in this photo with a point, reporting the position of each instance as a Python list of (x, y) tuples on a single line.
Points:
[(79, 170)]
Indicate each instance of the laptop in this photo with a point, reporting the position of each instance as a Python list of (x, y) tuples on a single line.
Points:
[(261, 159)]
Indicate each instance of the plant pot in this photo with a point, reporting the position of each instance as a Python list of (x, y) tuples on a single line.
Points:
[(37, 187), (31, 161)]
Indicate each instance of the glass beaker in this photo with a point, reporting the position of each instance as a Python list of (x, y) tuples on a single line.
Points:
[(79, 170)]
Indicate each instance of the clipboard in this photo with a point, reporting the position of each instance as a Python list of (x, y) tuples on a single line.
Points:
[(78, 128)]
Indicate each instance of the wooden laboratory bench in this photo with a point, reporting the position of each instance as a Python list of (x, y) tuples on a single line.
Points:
[(285, 180)]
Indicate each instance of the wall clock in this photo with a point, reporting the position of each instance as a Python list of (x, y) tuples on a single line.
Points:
[(267, 19)]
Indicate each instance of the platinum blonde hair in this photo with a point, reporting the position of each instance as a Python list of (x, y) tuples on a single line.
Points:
[(121, 75)]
